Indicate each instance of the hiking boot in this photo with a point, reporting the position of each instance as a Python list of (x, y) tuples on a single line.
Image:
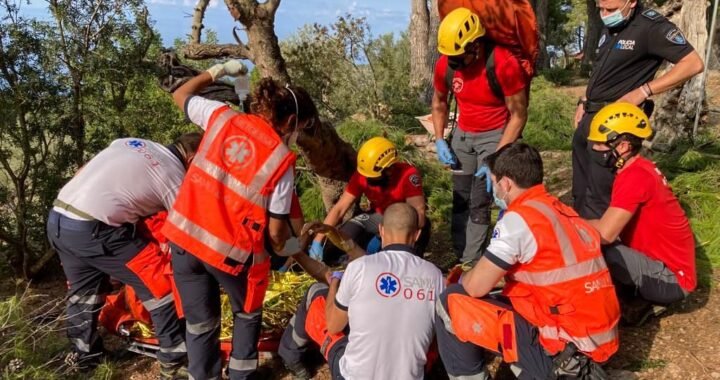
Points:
[(636, 312), (652, 311), (173, 371), (298, 372)]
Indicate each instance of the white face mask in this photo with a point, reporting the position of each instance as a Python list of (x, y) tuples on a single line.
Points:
[(616, 18)]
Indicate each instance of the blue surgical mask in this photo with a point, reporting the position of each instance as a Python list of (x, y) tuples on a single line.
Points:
[(616, 18), (499, 201)]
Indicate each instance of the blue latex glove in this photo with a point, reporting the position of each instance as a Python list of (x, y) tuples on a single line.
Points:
[(316, 250), (444, 154), (283, 269), (484, 170)]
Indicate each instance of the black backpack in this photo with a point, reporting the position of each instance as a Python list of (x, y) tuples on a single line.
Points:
[(491, 76)]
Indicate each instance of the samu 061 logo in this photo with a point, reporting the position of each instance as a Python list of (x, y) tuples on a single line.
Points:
[(388, 285)]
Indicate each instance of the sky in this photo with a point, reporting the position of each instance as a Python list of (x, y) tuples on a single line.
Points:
[(173, 17)]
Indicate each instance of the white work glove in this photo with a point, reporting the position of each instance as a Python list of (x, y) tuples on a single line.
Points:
[(232, 68), (292, 246)]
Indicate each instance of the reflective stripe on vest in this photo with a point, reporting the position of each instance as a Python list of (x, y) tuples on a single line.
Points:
[(566, 248), (222, 240), (559, 275), (205, 237), (583, 343)]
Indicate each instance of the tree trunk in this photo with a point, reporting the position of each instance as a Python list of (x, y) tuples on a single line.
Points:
[(592, 37), (433, 53), (675, 110), (542, 9), (420, 70), (327, 154)]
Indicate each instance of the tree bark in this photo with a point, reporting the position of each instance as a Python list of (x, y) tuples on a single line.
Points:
[(327, 154), (542, 9), (420, 70), (433, 53), (675, 110), (592, 37)]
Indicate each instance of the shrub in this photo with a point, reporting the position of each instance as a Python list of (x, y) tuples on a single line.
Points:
[(550, 117)]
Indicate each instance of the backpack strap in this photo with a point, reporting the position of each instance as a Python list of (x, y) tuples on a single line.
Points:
[(491, 73), (449, 75)]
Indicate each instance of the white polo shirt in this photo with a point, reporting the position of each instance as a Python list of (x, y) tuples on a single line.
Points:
[(390, 299), (199, 111), (126, 181), (512, 242)]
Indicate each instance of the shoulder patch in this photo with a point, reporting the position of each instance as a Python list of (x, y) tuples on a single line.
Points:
[(652, 14), (675, 36), (415, 180)]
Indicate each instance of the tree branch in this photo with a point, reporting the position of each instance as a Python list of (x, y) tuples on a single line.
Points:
[(242, 11), (197, 51), (197, 20)]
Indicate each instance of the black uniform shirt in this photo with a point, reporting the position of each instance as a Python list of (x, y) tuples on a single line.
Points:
[(631, 56)]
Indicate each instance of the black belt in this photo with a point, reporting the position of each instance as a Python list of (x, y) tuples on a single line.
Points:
[(593, 107), (648, 106)]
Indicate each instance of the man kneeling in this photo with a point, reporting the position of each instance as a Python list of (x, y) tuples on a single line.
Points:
[(377, 323), (558, 314)]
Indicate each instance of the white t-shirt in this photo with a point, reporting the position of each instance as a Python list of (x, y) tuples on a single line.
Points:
[(390, 299), (199, 110), (512, 242), (129, 179)]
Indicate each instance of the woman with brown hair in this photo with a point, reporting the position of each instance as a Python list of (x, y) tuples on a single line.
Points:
[(237, 191)]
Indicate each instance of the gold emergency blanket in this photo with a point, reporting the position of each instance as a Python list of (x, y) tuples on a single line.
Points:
[(283, 294)]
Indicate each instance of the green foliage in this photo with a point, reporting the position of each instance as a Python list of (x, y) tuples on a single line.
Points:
[(68, 86), (558, 76), (694, 174), (550, 114), (349, 72)]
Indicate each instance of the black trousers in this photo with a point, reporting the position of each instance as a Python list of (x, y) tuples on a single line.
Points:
[(91, 252), (643, 276), (295, 341), (199, 286), (465, 360), (591, 182)]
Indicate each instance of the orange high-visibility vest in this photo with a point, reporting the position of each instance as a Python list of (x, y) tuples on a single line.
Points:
[(220, 213), (566, 289)]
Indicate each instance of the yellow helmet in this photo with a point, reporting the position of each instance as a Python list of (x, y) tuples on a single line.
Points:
[(376, 155), (616, 119), (457, 29)]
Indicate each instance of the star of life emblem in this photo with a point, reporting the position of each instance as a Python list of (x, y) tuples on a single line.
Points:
[(238, 152)]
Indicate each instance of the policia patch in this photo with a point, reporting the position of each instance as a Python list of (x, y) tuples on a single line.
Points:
[(675, 36), (652, 14)]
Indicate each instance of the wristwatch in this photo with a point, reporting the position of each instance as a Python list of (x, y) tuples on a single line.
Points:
[(580, 101), (337, 275)]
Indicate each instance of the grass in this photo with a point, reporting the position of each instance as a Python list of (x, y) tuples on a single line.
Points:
[(694, 174), (32, 341), (646, 364), (549, 125)]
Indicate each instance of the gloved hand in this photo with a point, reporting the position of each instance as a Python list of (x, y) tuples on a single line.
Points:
[(316, 250), (283, 269), (444, 154), (484, 170), (232, 68)]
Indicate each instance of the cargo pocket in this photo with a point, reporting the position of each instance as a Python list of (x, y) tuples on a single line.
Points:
[(257, 283), (149, 265)]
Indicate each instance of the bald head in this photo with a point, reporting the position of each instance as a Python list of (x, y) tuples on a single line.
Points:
[(399, 225)]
